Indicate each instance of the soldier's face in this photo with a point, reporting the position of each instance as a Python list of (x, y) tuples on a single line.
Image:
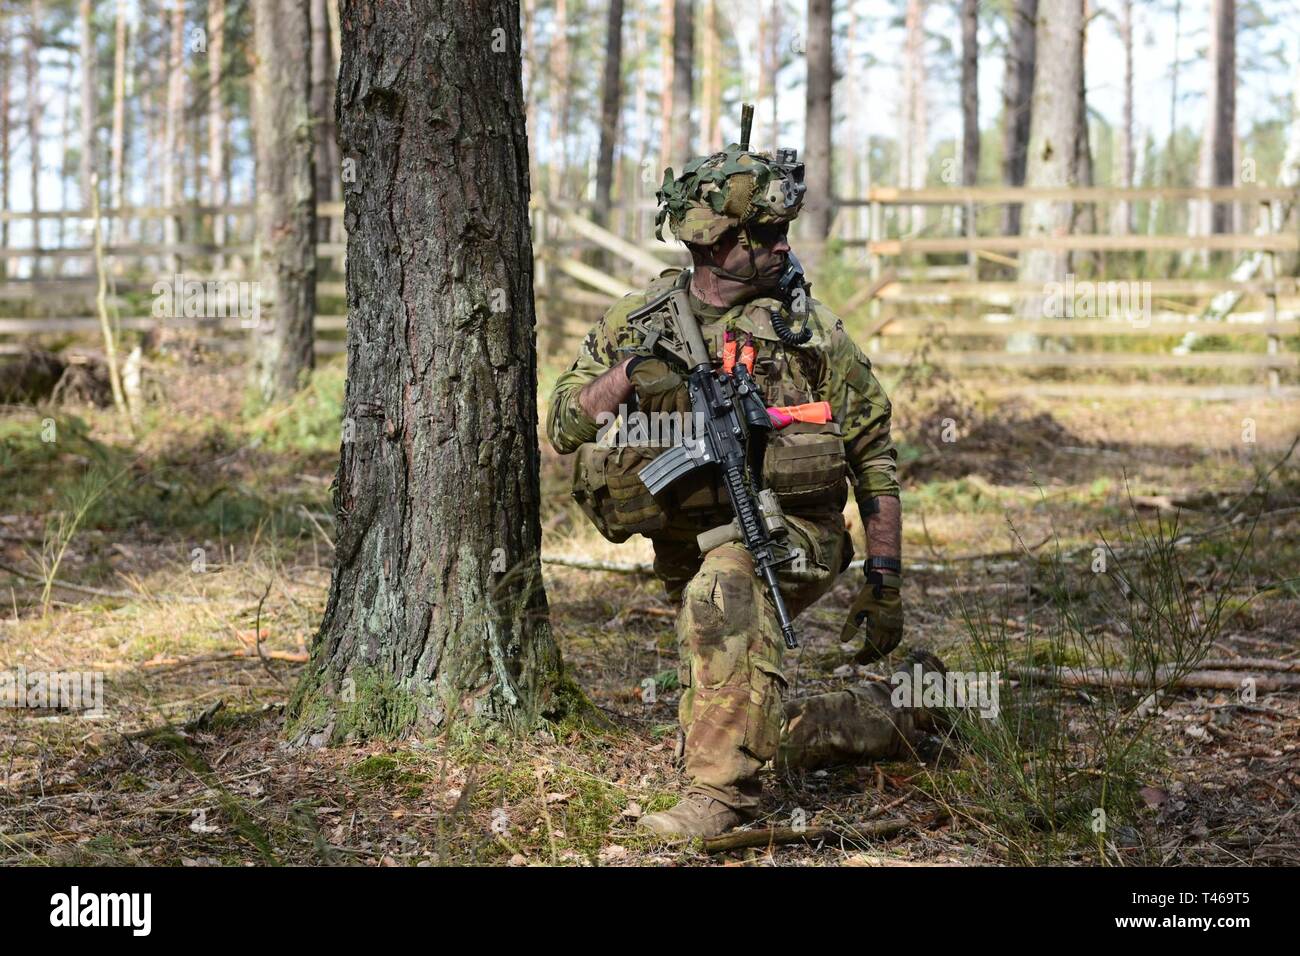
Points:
[(769, 246)]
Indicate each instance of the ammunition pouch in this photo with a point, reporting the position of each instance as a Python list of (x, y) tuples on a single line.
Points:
[(805, 465), (607, 488)]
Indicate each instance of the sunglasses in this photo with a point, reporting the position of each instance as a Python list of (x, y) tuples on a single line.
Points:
[(766, 235)]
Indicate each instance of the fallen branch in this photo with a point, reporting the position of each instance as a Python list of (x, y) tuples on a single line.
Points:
[(1163, 677), (860, 835), (293, 657), (1249, 663)]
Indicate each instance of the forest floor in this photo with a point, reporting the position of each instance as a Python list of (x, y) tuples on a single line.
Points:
[(212, 531)]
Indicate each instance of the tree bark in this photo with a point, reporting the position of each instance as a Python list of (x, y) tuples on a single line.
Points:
[(88, 118), (610, 105), (817, 158), (286, 198), (683, 79), (436, 606), (1017, 103), (217, 120), (1053, 138)]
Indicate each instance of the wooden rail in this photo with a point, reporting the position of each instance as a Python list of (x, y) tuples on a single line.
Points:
[(572, 286)]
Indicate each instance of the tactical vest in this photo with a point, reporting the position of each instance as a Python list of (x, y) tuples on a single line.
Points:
[(804, 463)]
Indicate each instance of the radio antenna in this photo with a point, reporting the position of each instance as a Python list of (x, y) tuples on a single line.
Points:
[(746, 124)]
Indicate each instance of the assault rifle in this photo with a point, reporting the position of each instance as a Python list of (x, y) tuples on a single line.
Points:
[(735, 426)]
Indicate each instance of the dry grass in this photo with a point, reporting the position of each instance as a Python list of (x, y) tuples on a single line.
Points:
[(169, 776)]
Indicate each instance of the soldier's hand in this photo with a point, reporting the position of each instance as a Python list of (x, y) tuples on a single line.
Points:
[(877, 615), (658, 387)]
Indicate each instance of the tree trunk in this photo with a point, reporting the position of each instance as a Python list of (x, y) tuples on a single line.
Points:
[(323, 72), (1085, 214), (774, 40), (970, 95), (32, 65), (1017, 103), (666, 157), (117, 139), (65, 142), (915, 132), (6, 169), (1053, 139), (88, 118), (1123, 220), (172, 169), (562, 79), (217, 121), (532, 86), (683, 79), (1216, 161), (286, 198), (436, 606), (817, 158), (711, 90), (610, 104)]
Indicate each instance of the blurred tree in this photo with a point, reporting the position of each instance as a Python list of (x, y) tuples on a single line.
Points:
[(322, 109), (818, 114), (1017, 101), (682, 141), (89, 70), (1217, 160), (32, 67), (1053, 159), (970, 94), (217, 172), (286, 199), (172, 153), (611, 105), (6, 157), (1123, 218), (913, 126)]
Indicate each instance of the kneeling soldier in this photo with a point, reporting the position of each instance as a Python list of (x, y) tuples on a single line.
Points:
[(733, 210)]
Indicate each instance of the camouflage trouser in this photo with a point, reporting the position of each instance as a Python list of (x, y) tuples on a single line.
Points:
[(730, 646)]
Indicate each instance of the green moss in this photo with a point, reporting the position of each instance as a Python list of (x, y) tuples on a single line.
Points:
[(373, 706), (398, 770)]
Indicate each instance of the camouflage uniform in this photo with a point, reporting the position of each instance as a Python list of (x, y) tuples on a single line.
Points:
[(729, 642)]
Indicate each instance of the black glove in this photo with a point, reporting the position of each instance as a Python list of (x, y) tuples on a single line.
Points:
[(878, 613)]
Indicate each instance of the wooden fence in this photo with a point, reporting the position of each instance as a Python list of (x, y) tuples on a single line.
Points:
[(906, 285)]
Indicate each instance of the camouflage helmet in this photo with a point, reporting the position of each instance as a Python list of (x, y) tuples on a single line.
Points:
[(735, 187)]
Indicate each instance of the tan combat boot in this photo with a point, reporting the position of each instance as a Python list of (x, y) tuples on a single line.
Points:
[(694, 816)]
